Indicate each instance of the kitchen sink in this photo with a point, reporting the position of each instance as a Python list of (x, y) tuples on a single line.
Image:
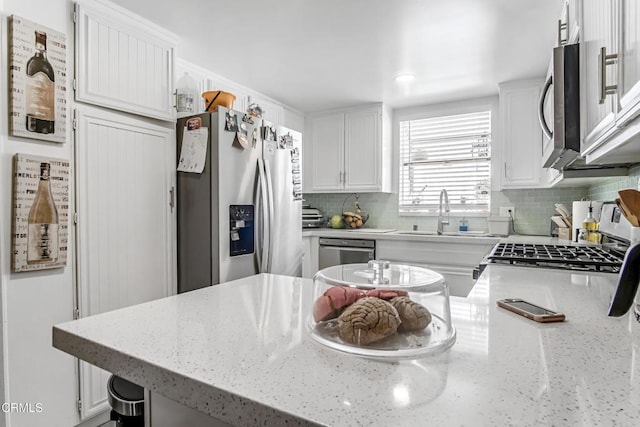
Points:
[(446, 233)]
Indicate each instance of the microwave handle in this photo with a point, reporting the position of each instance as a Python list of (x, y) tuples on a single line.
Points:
[(543, 97)]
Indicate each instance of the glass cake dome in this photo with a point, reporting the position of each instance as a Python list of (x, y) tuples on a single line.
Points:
[(381, 310)]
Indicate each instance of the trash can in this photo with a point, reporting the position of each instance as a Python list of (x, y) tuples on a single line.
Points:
[(127, 402)]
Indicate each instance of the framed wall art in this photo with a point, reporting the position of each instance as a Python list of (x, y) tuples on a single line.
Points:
[(40, 213), (37, 81)]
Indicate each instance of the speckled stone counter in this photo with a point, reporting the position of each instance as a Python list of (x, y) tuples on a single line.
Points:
[(240, 352)]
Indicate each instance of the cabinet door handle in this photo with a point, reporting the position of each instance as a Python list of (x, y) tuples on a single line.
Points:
[(505, 169), (605, 60), (340, 176), (563, 26)]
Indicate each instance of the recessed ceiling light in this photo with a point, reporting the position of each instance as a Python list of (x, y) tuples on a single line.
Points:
[(404, 78)]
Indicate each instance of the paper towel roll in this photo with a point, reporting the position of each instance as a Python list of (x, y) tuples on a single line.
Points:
[(580, 211)]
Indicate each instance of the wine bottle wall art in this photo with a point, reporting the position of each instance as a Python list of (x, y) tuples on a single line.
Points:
[(37, 81), (40, 212)]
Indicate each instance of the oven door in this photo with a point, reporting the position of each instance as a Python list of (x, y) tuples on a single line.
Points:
[(339, 251)]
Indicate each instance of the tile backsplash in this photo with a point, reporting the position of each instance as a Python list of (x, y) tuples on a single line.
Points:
[(533, 208), (608, 188)]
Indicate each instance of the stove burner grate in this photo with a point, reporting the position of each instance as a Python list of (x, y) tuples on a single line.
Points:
[(559, 256)]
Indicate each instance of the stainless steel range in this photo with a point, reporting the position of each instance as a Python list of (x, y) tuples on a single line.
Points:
[(619, 254), (607, 258)]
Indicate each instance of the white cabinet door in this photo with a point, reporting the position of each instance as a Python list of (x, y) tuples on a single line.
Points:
[(362, 150), (350, 150), (597, 32), (126, 225), (630, 49), (122, 64), (520, 135), (326, 161)]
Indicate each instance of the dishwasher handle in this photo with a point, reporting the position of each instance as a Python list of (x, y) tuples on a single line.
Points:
[(347, 243), (347, 249)]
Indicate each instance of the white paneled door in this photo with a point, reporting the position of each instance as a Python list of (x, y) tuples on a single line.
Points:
[(126, 222)]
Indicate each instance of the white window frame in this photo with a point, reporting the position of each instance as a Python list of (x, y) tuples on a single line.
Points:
[(448, 109)]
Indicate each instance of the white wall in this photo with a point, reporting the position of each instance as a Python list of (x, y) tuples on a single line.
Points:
[(33, 371), (32, 302)]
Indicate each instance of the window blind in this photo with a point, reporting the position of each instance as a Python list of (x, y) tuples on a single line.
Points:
[(447, 152)]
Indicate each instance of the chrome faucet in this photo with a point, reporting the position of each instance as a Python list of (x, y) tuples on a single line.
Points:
[(442, 222)]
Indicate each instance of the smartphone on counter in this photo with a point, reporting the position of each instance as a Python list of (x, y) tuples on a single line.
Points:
[(530, 311)]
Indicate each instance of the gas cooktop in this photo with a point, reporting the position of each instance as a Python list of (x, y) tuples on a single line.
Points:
[(568, 257)]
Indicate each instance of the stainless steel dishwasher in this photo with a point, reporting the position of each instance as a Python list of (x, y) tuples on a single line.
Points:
[(345, 251)]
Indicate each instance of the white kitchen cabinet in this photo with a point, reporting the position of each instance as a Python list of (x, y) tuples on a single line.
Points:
[(122, 62), (125, 221), (323, 155), (611, 130), (350, 151), (520, 137), (630, 69), (597, 33)]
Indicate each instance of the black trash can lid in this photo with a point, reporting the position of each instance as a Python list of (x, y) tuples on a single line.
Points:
[(125, 397), (127, 390)]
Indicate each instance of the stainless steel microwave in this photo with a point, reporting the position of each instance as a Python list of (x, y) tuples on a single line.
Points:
[(564, 128)]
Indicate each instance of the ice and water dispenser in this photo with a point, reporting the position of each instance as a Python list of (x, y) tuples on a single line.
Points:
[(241, 229)]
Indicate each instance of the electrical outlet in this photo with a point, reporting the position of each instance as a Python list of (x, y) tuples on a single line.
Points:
[(504, 211)]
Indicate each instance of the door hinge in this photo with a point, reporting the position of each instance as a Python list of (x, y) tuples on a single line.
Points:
[(75, 17), (172, 197), (74, 121), (75, 218), (76, 313), (74, 83), (79, 404)]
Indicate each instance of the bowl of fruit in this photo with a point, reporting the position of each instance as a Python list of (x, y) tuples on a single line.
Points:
[(356, 218)]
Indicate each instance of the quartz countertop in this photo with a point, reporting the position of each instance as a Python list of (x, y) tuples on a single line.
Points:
[(240, 352)]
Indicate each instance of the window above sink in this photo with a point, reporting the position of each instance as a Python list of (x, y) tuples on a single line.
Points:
[(446, 151)]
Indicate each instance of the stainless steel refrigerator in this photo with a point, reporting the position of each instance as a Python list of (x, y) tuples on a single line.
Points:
[(242, 214)]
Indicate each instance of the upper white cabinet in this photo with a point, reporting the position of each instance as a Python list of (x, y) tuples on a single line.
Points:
[(324, 153), (598, 38), (520, 135), (122, 63), (350, 150), (630, 42), (610, 81)]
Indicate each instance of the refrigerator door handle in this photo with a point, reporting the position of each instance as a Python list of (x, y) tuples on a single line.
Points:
[(263, 243), (271, 217)]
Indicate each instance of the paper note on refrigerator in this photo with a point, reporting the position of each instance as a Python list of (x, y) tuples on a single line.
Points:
[(194, 150)]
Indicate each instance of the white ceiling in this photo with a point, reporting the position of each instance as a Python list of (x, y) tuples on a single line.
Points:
[(320, 54)]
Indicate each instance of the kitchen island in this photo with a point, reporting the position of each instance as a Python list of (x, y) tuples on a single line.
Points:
[(240, 353)]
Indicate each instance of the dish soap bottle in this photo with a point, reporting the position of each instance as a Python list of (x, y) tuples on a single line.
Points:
[(590, 225), (464, 225)]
